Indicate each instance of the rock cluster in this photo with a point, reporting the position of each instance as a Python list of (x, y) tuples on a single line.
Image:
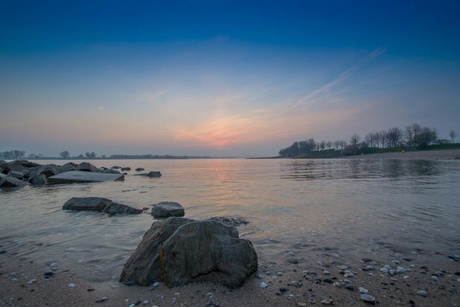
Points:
[(178, 251), (22, 172)]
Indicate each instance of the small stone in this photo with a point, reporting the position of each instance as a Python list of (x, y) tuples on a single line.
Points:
[(102, 300), (327, 301), (263, 285), (279, 274), (363, 290), (145, 302), (367, 298), (422, 293), (434, 278), (396, 261), (32, 281), (326, 272), (400, 270), (343, 267), (71, 285), (301, 304), (48, 274)]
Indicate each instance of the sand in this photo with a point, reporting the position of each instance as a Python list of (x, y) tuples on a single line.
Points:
[(431, 279)]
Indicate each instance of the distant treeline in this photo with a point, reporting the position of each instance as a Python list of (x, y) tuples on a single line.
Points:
[(412, 137)]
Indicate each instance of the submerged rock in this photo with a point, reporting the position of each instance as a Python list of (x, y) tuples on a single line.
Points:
[(11, 182), (83, 176), (179, 251), (98, 204)]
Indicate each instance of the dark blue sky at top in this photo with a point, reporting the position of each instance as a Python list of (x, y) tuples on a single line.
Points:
[(405, 26), (206, 77)]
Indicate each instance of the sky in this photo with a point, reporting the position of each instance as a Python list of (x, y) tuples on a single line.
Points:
[(222, 78)]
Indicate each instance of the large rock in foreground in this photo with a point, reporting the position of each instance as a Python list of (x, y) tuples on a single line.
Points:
[(84, 176), (98, 204), (179, 251)]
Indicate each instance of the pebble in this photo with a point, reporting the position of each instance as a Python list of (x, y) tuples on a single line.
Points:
[(326, 272), (32, 281), (363, 290), (400, 270), (422, 293), (263, 285), (102, 300), (367, 298), (145, 302), (435, 278), (48, 274), (327, 301), (71, 285), (53, 266), (279, 274), (343, 267)]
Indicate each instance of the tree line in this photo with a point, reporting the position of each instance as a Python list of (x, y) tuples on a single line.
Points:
[(412, 137)]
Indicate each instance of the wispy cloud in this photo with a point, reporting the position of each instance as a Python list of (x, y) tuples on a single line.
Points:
[(339, 79)]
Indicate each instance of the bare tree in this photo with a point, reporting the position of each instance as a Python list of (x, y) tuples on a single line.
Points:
[(394, 136), (452, 135), (65, 154)]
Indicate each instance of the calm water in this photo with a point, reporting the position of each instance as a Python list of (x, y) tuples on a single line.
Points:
[(350, 205)]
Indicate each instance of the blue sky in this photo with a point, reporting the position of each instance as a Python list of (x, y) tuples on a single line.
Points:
[(222, 78)]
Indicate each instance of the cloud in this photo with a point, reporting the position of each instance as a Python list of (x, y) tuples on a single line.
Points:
[(339, 79)]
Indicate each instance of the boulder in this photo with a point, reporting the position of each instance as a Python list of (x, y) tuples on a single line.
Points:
[(87, 167), (167, 209), (178, 251), (16, 174), (11, 182), (67, 167), (81, 177), (38, 180), (143, 266), (48, 170), (98, 204)]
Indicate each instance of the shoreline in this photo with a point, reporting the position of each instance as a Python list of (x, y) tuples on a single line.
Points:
[(321, 276), (448, 154)]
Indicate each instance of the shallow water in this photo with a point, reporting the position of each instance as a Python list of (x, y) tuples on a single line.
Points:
[(351, 206)]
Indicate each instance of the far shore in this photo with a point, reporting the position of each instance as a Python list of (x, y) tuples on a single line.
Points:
[(448, 154)]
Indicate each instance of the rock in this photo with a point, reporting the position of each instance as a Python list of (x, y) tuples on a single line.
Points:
[(367, 298), (179, 251), (15, 174), (143, 267), (98, 204), (110, 171), (422, 293), (67, 167), (86, 203), (124, 169), (230, 220), (11, 182), (139, 169), (38, 180), (115, 208), (263, 285), (152, 174), (167, 209), (87, 167), (47, 170), (84, 176)]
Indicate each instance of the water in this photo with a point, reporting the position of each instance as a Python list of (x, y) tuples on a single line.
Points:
[(350, 207)]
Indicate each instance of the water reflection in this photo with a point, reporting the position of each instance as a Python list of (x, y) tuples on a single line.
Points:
[(359, 169)]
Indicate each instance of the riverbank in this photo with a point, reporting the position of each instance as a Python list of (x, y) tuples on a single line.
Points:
[(311, 275), (449, 154)]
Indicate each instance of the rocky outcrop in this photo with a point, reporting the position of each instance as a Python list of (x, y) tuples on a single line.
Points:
[(98, 204), (167, 209), (179, 251), (82, 177), (11, 182)]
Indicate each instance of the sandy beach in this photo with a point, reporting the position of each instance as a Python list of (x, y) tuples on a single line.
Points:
[(310, 275)]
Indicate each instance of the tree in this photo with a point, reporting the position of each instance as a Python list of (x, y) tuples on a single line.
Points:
[(394, 137), (90, 155), (65, 154), (452, 135)]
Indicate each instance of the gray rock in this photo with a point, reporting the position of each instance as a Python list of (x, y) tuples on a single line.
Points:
[(80, 176), (38, 180), (15, 174), (367, 298), (167, 209), (67, 167), (143, 267), (11, 182), (86, 203), (139, 169), (116, 208), (110, 171), (98, 204), (48, 170), (195, 251), (154, 174), (124, 169), (235, 220), (87, 167)]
